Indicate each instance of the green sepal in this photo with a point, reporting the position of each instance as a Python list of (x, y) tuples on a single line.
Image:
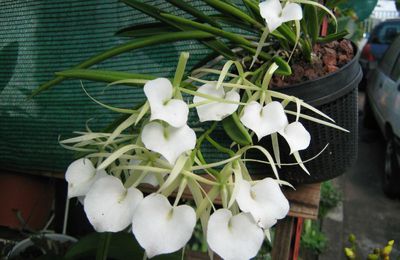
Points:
[(235, 130)]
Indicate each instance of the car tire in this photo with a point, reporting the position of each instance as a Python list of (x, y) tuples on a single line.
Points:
[(391, 174), (368, 116)]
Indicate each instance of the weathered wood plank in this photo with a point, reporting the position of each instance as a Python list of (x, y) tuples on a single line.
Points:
[(283, 239)]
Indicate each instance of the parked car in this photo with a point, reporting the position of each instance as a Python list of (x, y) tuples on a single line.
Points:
[(378, 42), (383, 106)]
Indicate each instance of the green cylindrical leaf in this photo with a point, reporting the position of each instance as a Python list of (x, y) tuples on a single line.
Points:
[(235, 130), (101, 75), (233, 11), (284, 68), (333, 37), (132, 45), (288, 33), (193, 11), (311, 20), (144, 30), (207, 28)]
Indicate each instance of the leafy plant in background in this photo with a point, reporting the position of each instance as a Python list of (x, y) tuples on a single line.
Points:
[(330, 198), (154, 143), (313, 238)]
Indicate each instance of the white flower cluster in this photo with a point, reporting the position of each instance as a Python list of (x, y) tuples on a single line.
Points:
[(235, 231), (161, 228)]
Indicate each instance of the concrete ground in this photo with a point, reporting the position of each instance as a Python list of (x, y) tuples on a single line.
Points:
[(365, 211)]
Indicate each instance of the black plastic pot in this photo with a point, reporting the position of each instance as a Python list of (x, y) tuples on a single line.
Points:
[(336, 96)]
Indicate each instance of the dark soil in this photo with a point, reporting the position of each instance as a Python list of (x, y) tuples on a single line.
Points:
[(327, 58)]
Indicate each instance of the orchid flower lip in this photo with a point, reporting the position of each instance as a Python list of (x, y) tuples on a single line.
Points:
[(169, 141), (297, 137), (80, 176), (264, 120), (161, 228), (159, 93), (215, 111), (264, 201), (234, 237), (109, 206), (275, 15)]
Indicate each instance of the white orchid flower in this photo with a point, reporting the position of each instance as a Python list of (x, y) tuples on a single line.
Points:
[(234, 237), (162, 106), (161, 228), (215, 111), (169, 141), (275, 15), (80, 176), (297, 136), (109, 206), (264, 201), (264, 120)]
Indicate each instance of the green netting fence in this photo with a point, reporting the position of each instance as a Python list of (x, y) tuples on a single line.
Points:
[(39, 38)]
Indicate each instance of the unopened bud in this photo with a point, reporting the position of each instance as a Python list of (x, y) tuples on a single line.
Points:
[(349, 253)]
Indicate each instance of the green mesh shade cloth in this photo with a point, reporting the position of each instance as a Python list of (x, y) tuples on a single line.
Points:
[(39, 38)]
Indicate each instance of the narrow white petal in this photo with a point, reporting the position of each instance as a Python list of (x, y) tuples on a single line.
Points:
[(264, 120), (264, 201), (109, 206), (271, 10), (170, 142), (160, 228), (162, 106), (292, 11), (80, 176), (215, 111), (297, 136), (234, 237)]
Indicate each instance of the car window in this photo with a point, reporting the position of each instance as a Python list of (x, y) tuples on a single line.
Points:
[(395, 75), (390, 57), (385, 33)]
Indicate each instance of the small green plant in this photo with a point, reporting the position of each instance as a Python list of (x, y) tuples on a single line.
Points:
[(312, 238), (377, 253), (330, 198)]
